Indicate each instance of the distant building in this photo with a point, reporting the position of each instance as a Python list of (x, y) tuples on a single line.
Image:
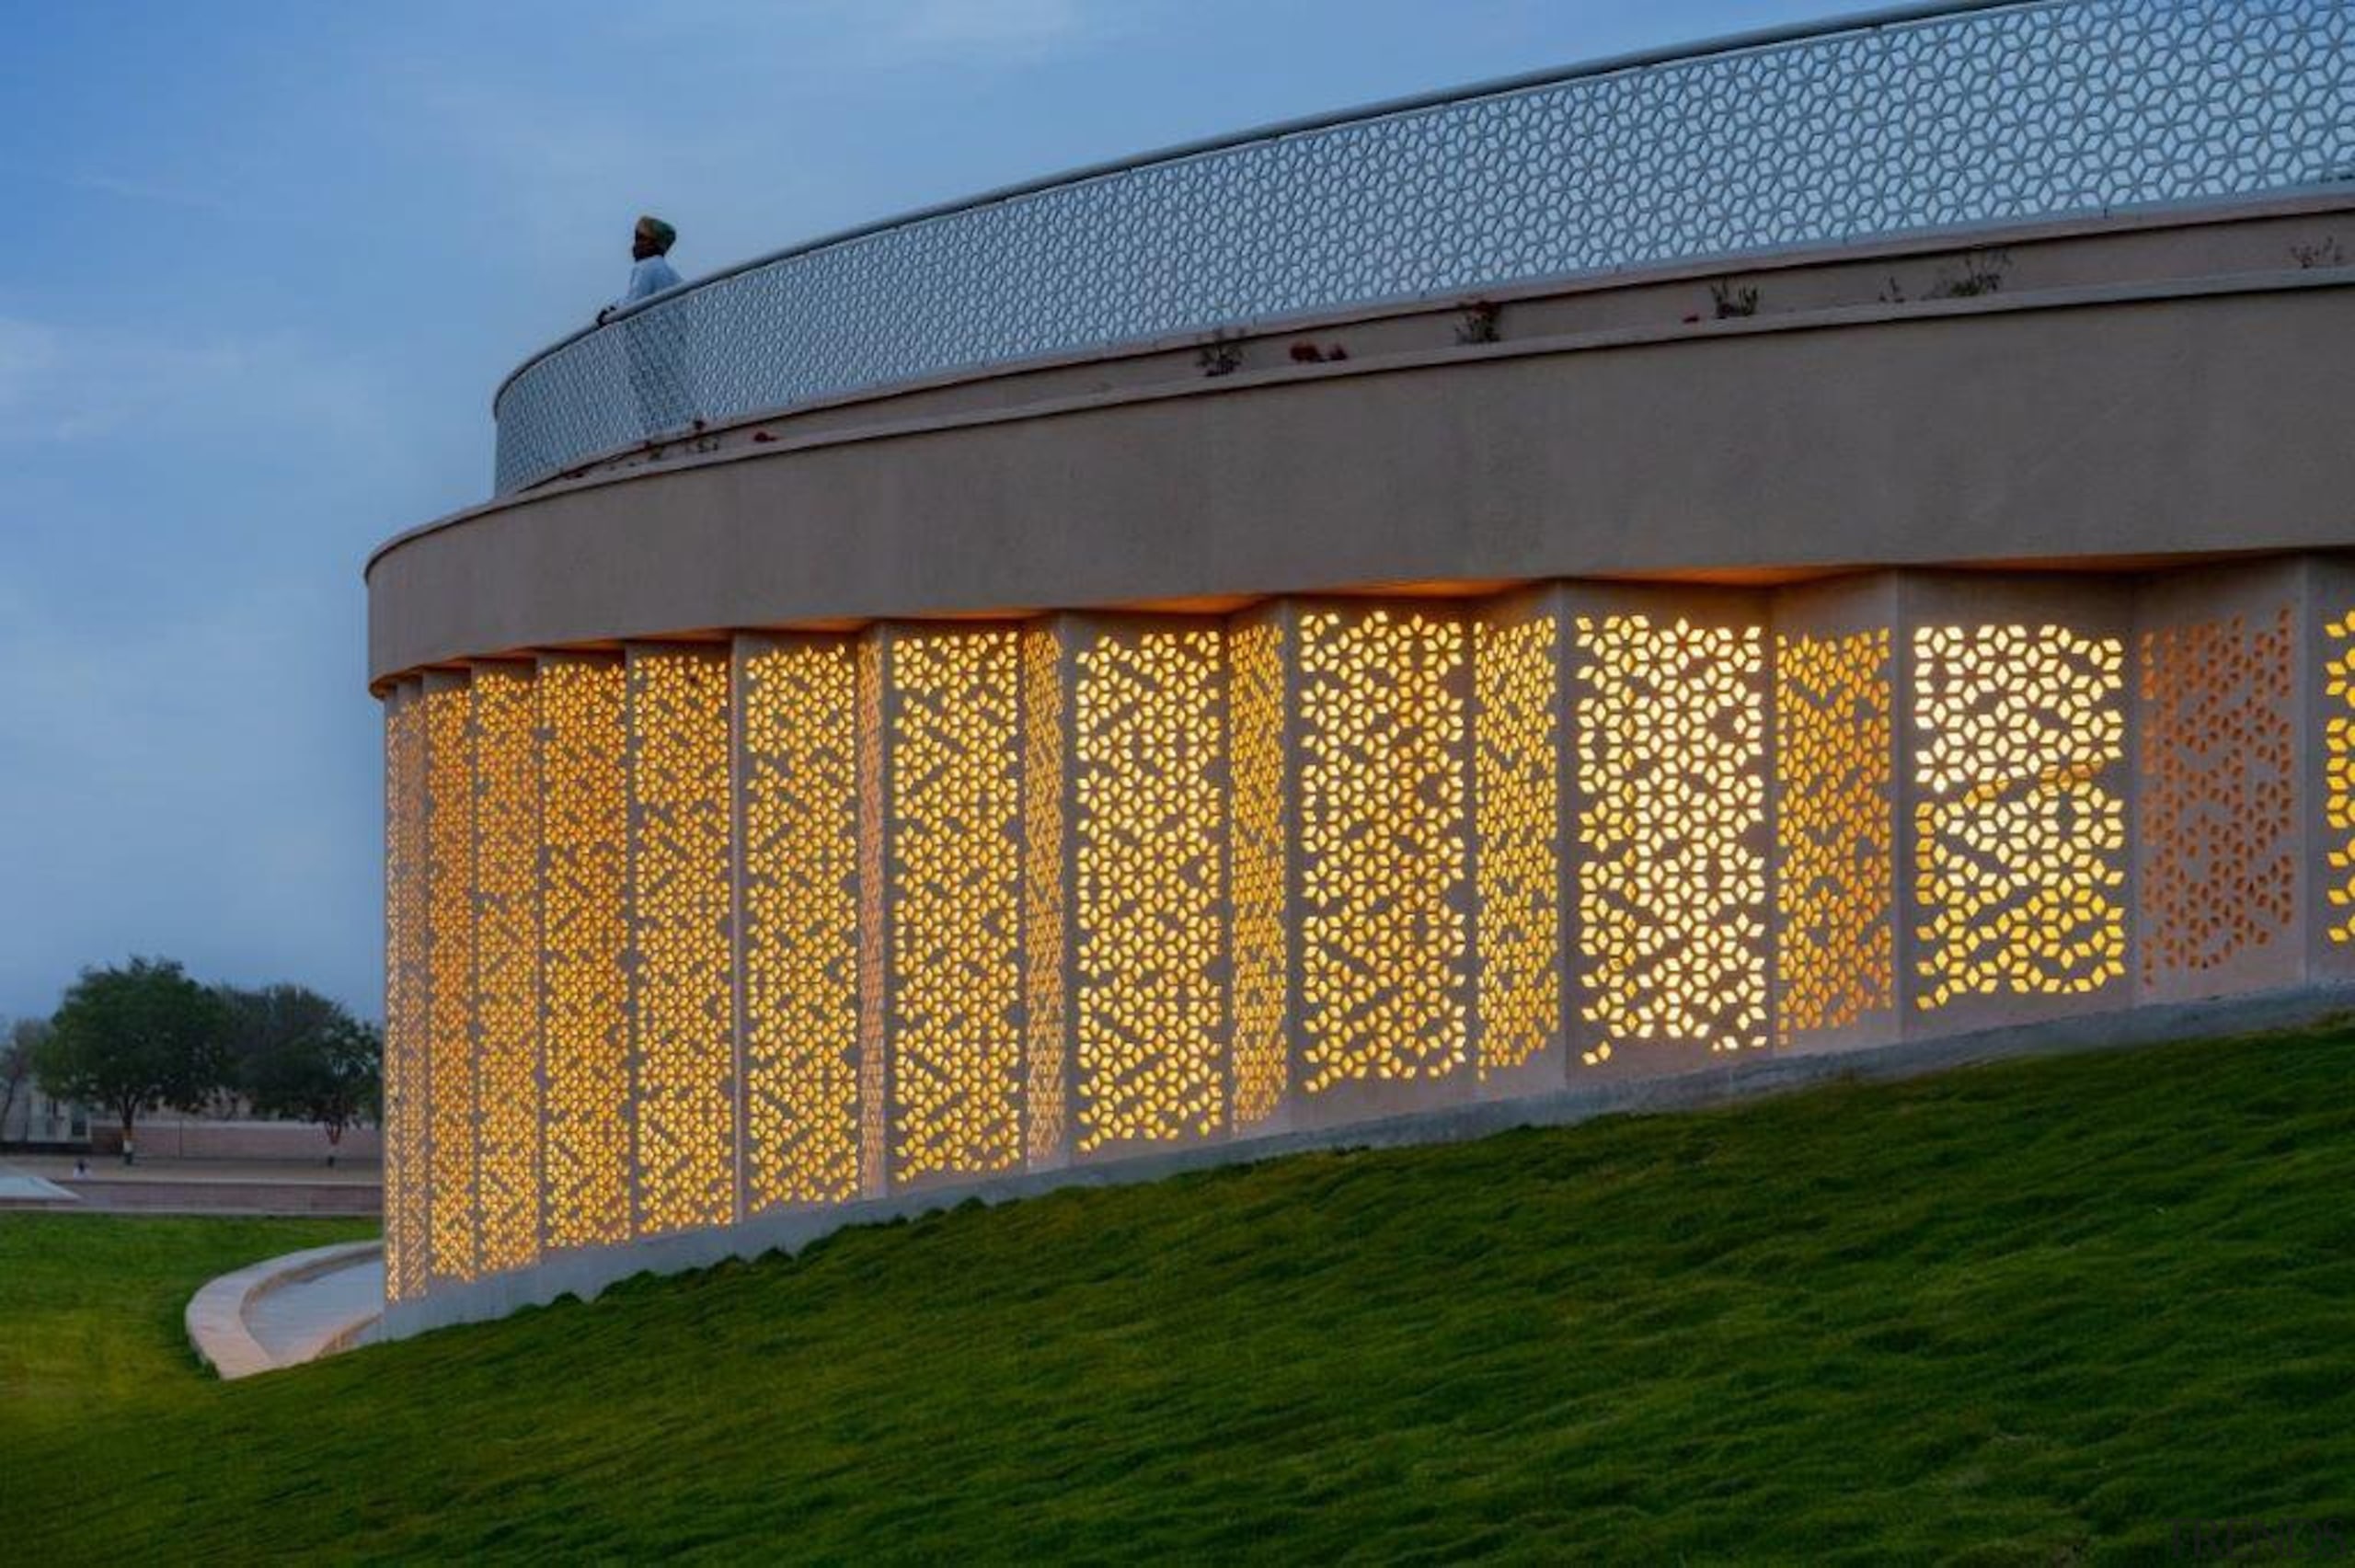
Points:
[(37, 1119)]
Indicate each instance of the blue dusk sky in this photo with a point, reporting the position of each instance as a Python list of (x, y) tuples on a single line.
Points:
[(268, 259)]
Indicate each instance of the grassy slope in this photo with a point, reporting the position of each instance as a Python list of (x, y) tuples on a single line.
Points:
[(2036, 1311)]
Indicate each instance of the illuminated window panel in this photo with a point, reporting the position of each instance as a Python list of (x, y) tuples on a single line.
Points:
[(1671, 895), (2019, 838), (873, 1098), (1517, 784), (507, 974), (2217, 796), (2338, 776), (1833, 830), (407, 1178), (1386, 943), (1043, 933), (584, 994), (956, 1051), (1259, 1050), (681, 1012), (1150, 744), (801, 932), (449, 921)]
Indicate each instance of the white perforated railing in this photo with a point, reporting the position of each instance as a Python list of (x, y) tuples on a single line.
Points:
[(1900, 123)]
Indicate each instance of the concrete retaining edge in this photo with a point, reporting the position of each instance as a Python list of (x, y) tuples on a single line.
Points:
[(216, 1316)]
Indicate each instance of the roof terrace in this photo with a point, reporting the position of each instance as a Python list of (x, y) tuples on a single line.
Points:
[(1908, 122)]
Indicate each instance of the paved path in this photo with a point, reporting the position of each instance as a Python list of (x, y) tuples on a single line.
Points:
[(165, 1168), (286, 1310), (171, 1185), (20, 1187), (299, 1320)]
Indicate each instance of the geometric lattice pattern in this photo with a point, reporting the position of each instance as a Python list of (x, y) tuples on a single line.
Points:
[(406, 1180), (2019, 835), (874, 1059), (2102, 103), (1263, 987), (1517, 780), (1384, 935), (449, 918), (799, 762), (2338, 774), (1149, 756), (1670, 722), (507, 964), (695, 932), (1044, 930), (682, 1012), (956, 900), (1833, 830), (584, 816), (2218, 797)]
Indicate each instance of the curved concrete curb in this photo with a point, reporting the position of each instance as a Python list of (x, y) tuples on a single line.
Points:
[(226, 1342)]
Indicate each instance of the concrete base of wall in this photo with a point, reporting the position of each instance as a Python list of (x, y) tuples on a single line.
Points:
[(585, 1274)]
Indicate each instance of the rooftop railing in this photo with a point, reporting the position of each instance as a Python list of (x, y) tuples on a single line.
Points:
[(1871, 128)]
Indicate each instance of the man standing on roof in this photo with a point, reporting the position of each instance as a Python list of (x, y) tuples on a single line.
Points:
[(650, 243), (650, 349)]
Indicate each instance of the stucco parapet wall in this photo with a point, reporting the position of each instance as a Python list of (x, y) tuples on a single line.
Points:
[(2115, 423), (585, 1274)]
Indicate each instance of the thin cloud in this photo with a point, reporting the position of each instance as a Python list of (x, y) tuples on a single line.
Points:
[(1017, 30), (145, 190), (866, 35), (61, 384)]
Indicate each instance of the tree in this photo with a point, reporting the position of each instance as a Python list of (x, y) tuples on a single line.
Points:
[(18, 1044), (327, 1074), (265, 1023), (131, 1039)]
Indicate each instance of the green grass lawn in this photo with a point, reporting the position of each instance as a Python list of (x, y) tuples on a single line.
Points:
[(2026, 1313)]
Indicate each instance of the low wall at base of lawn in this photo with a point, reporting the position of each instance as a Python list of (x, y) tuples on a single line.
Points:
[(199, 1139)]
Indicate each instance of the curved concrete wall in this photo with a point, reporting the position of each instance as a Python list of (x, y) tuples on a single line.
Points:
[(701, 935), (745, 876), (2122, 394)]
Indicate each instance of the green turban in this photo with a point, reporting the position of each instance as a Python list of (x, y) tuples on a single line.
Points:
[(661, 232)]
